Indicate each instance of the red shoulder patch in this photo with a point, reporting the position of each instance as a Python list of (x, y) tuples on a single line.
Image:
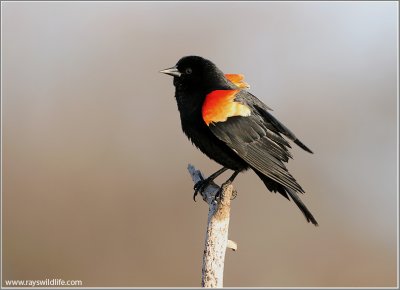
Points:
[(219, 105), (238, 80)]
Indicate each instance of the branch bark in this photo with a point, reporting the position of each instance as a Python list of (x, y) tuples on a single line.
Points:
[(216, 240)]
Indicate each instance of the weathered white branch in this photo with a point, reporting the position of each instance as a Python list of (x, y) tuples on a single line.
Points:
[(216, 240), (232, 245)]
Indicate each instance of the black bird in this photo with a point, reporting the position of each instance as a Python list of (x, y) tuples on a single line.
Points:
[(233, 127)]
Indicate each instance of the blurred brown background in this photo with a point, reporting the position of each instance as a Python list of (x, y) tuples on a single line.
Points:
[(95, 185)]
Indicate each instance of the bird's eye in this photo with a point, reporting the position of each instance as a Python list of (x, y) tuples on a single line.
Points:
[(188, 71)]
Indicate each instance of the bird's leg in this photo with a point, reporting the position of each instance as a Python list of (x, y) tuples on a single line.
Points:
[(229, 181), (202, 184)]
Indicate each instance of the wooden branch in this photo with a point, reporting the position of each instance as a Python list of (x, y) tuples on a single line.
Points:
[(232, 245), (216, 240)]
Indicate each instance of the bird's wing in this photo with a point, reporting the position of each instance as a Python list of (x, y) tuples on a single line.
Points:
[(272, 123), (234, 118)]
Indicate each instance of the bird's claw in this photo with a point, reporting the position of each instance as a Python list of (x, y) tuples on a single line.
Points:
[(200, 186), (217, 196), (234, 194)]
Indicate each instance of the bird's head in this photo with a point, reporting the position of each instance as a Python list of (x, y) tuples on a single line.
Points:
[(197, 73)]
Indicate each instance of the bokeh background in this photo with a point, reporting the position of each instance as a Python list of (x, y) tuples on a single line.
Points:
[(95, 185)]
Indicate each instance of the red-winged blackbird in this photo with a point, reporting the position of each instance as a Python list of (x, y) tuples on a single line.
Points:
[(233, 127)]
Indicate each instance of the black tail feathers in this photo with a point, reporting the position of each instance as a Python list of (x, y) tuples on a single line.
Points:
[(309, 217), (286, 192), (302, 146)]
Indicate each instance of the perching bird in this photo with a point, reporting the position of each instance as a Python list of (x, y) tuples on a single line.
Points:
[(233, 127)]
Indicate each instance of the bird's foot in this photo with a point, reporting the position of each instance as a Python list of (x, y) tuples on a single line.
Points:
[(200, 186), (218, 194)]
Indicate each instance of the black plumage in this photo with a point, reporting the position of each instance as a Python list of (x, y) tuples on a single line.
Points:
[(234, 128)]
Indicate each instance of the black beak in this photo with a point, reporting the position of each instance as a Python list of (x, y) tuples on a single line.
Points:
[(173, 71)]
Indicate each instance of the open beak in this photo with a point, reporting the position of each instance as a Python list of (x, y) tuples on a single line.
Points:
[(173, 71)]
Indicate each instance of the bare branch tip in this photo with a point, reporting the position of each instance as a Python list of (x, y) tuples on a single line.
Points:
[(232, 245)]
